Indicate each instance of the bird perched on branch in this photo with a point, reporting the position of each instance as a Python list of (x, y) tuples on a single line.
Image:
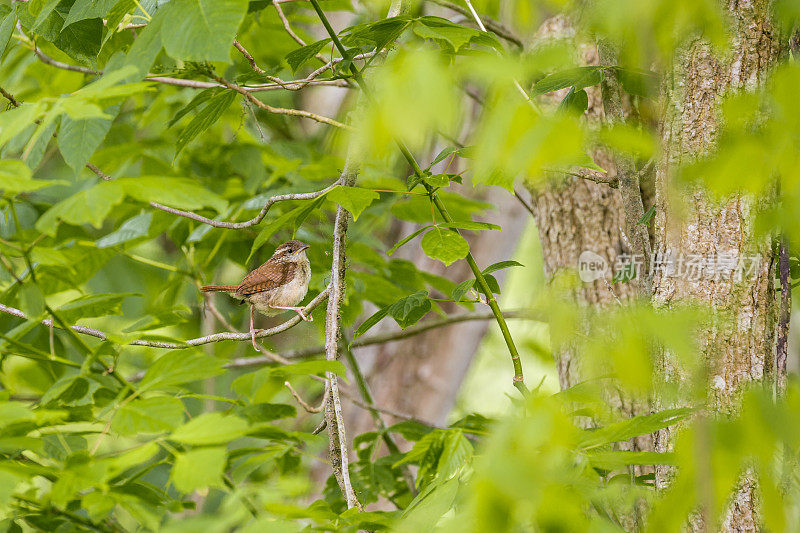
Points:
[(276, 286)]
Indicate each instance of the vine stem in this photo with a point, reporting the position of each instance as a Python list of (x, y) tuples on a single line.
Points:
[(519, 379)]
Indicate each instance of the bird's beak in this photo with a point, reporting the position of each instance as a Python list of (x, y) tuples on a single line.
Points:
[(304, 248)]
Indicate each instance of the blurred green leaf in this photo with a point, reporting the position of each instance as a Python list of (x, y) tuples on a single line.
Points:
[(577, 78), (206, 30), (297, 58), (409, 310), (210, 428), (158, 414), (179, 367), (198, 469), (354, 199), (370, 322), (204, 119), (93, 305)]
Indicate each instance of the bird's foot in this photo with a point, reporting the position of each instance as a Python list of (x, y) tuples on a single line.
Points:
[(253, 338)]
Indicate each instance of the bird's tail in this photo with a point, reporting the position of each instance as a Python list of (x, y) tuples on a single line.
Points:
[(218, 288)]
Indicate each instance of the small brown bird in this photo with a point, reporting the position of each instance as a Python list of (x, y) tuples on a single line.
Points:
[(276, 286)]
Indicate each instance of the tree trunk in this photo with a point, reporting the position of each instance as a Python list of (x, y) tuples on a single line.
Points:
[(574, 216), (737, 348)]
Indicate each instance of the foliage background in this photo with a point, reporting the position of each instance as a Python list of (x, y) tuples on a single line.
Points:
[(100, 434)]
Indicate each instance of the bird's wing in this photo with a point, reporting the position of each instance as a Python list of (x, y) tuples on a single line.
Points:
[(266, 277)]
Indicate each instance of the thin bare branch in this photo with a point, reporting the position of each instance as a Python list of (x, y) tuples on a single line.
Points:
[(10, 97), (248, 56), (281, 110), (303, 404), (44, 58), (385, 410), (216, 337), (256, 219), (288, 27), (278, 84), (333, 409), (586, 174), (422, 327)]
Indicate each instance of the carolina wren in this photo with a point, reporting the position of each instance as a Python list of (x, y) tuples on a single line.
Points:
[(276, 286)]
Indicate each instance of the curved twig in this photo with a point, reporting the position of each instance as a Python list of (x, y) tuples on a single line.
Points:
[(256, 219), (291, 85), (303, 404), (280, 110), (199, 341)]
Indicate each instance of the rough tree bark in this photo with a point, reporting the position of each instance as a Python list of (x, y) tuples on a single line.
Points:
[(574, 215), (738, 346)]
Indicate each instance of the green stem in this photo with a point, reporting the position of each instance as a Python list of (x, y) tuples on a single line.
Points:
[(519, 381)]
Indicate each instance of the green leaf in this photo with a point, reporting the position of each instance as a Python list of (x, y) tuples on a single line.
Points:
[(576, 101), (266, 412), (15, 121), (78, 139), (437, 180), (199, 469), (199, 99), (469, 225), (182, 193), (210, 428), (647, 216), (441, 156), (202, 30), (400, 243), (146, 47), (93, 305), (297, 58), (68, 390), (578, 78), (282, 221), (633, 427), (376, 34), (15, 178), (354, 199), (409, 310), (130, 230), (462, 289), (8, 20), (501, 265), (445, 245), (41, 9), (427, 508), (177, 367), (81, 40), (158, 414), (131, 458), (638, 82), (88, 9), (456, 453), (455, 35), (90, 206), (370, 322), (207, 116), (258, 5)]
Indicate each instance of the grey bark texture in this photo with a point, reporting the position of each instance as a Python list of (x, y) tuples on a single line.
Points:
[(738, 345), (574, 215)]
